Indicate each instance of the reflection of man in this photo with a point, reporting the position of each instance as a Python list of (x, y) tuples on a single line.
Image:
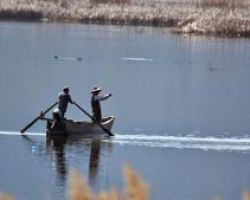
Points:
[(95, 103), (63, 100), (58, 147), (94, 160)]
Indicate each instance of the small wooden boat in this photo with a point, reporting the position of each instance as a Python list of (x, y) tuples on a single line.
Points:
[(81, 128)]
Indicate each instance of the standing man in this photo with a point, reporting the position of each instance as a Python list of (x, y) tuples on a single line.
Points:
[(95, 103), (63, 100)]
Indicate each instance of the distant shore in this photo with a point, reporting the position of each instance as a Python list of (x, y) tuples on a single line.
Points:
[(207, 17)]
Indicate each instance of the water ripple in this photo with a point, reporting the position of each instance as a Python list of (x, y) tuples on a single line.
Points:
[(185, 142), (179, 142)]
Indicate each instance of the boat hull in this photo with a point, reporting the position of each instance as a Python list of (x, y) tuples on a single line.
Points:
[(83, 128)]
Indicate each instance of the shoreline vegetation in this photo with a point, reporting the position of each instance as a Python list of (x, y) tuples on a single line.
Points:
[(208, 17)]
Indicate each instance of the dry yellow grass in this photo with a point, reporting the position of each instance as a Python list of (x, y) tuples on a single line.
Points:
[(217, 17), (246, 196), (224, 3), (78, 188), (136, 189), (5, 197), (218, 198)]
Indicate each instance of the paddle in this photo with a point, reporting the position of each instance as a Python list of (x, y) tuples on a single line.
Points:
[(37, 118), (99, 124)]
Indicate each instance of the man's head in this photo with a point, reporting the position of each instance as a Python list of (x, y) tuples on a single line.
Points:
[(66, 90), (96, 90)]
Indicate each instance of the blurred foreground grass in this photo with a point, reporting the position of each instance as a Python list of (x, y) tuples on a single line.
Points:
[(135, 189)]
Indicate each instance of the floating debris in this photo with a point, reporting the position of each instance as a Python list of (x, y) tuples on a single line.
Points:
[(67, 58)]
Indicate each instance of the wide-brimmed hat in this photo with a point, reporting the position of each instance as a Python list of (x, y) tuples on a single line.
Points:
[(96, 89)]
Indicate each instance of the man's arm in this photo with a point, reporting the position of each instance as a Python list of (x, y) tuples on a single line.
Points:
[(70, 100), (102, 98)]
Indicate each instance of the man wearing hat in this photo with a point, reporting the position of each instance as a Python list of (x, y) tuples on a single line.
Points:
[(63, 100), (95, 103)]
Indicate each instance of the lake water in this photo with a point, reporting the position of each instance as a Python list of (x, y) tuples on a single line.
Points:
[(181, 105)]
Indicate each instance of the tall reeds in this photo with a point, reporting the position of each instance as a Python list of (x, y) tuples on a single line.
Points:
[(217, 17), (224, 3)]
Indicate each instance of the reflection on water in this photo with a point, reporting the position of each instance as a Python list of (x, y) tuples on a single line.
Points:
[(56, 151), (94, 160), (168, 163), (56, 147)]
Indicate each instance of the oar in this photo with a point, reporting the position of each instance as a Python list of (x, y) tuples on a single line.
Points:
[(99, 124), (37, 118)]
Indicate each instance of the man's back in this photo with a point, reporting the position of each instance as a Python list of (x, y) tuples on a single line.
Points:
[(63, 100)]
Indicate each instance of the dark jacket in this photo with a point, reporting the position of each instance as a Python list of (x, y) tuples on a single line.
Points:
[(96, 106), (96, 109), (63, 100)]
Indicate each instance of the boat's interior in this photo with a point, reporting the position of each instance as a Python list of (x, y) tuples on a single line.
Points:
[(104, 120)]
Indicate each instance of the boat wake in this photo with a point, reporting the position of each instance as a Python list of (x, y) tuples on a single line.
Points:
[(138, 59), (185, 142), (18, 133), (228, 144)]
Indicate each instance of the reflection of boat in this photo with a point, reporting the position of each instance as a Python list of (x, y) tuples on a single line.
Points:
[(57, 147), (87, 153), (69, 127)]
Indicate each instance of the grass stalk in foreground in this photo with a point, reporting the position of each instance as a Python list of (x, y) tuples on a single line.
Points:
[(4, 196), (135, 189)]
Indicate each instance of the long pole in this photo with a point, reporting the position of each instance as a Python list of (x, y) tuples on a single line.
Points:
[(99, 124), (37, 118)]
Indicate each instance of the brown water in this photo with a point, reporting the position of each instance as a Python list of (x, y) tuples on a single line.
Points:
[(181, 105)]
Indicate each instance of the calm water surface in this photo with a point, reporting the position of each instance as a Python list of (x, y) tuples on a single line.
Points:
[(181, 102)]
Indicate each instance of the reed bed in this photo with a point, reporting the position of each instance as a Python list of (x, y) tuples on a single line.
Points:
[(223, 3), (217, 17)]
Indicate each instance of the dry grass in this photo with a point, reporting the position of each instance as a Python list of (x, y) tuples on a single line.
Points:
[(78, 188), (246, 196), (122, 2), (217, 17), (5, 197), (224, 3), (136, 189)]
